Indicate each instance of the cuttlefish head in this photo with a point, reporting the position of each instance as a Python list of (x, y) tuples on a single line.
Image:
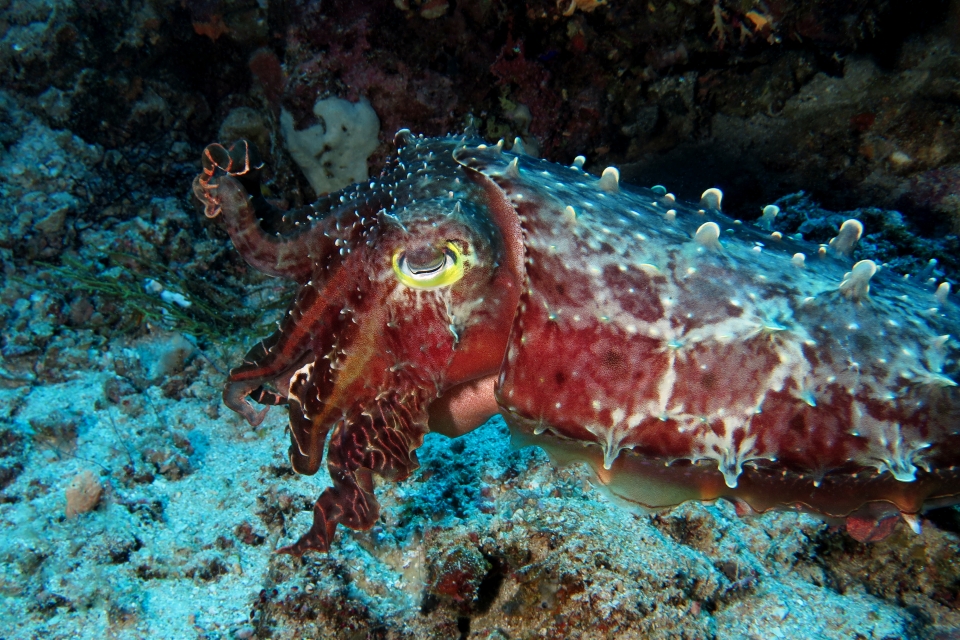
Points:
[(400, 327), (410, 327)]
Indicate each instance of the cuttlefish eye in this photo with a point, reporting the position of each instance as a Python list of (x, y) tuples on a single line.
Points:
[(429, 267)]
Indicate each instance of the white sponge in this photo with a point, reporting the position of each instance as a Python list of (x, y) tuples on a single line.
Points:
[(333, 153)]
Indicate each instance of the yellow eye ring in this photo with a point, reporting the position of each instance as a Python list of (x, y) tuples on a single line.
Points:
[(447, 270)]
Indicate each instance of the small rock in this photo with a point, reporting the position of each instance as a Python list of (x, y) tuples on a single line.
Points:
[(83, 494)]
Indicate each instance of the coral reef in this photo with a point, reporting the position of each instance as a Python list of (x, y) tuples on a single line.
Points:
[(122, 310)]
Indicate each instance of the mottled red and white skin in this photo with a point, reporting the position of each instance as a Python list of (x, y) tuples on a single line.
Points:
[(680, 354)]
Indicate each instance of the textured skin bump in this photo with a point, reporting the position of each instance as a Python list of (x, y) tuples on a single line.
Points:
[(681, 355)]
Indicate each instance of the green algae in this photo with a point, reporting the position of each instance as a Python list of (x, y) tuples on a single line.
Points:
[(201, 308)]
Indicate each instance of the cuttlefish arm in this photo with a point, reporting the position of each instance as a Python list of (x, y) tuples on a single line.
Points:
[(229, 188)]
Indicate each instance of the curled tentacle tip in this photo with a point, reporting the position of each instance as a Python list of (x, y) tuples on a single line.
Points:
[(214, 156), (251, 415), (254, 417), (206, 195)]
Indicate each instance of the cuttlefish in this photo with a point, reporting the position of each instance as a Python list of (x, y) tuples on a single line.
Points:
[(682, 355)]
